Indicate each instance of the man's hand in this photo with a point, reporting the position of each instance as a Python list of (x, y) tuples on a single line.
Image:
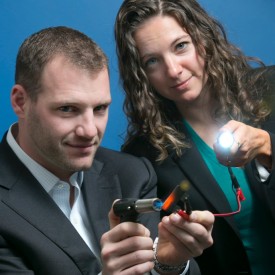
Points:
[(126, 248), (181, 239)]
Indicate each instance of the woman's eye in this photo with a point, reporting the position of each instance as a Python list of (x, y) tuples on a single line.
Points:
[(181, 45), (150, 62)]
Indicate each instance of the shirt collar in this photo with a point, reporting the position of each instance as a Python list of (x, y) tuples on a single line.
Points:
[(44, 177)]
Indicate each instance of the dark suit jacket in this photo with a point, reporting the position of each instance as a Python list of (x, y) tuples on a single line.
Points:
[(37, 238), (227, 256)]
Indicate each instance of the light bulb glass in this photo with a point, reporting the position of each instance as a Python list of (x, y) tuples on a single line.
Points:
[(226, 140)]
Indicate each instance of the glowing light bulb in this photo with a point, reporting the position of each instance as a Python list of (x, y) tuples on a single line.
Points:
[(226, 140)]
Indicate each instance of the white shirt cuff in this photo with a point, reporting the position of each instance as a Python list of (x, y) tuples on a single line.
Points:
[(264, 174)]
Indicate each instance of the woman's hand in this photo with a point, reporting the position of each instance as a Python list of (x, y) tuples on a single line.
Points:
[(249, 143)]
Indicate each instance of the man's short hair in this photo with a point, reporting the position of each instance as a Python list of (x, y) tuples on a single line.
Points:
[(41, 47)]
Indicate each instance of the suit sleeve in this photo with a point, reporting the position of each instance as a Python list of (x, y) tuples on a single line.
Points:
[(269, 184), (10, 263)]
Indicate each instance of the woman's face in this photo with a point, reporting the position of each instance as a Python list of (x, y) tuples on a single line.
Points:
[(170, 59)]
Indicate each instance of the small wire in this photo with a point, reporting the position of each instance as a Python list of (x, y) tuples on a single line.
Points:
[(187, 209), (239, 195)]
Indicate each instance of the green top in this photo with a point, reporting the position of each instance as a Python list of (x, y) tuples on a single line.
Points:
[(256, 229)]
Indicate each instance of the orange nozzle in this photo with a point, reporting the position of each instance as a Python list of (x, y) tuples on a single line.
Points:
[(176, 195)]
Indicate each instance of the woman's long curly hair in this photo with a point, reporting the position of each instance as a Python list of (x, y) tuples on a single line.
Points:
[(153, 116)]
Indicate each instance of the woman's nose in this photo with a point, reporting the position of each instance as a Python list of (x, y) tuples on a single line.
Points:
[(173, 67)]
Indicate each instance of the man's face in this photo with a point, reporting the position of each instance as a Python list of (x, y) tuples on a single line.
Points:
[(64, 127)]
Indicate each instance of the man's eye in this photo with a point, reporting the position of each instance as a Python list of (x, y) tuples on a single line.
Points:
[(101, 108), (67, 109)]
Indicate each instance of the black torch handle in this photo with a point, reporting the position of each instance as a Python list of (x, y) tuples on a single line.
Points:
[(126, 210)]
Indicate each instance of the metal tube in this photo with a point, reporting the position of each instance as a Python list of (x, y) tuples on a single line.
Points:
[(148, 205), (128, 209)]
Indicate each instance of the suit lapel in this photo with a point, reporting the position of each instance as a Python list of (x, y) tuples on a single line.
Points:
[(29, 200), (100, 189), (202, 179)]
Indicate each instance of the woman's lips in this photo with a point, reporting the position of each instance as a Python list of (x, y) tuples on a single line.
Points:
[(182, 84)]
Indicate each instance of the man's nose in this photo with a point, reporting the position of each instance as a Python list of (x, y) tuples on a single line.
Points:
[(87, 127)]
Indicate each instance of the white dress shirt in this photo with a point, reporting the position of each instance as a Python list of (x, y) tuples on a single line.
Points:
[(59, 191)]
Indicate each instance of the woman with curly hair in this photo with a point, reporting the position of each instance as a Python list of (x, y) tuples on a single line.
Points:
[(186, 85)]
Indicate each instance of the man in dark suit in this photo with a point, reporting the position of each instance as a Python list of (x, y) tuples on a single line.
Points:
[(57, 185)]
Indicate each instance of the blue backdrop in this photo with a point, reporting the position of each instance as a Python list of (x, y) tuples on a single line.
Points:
[(249, 24)]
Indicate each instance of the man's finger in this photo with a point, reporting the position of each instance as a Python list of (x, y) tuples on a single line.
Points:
[(205, 218)]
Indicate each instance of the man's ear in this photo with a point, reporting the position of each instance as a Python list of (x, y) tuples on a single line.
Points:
[(18, 99)]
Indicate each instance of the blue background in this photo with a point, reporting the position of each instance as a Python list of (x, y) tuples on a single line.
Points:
[(250, 24)]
